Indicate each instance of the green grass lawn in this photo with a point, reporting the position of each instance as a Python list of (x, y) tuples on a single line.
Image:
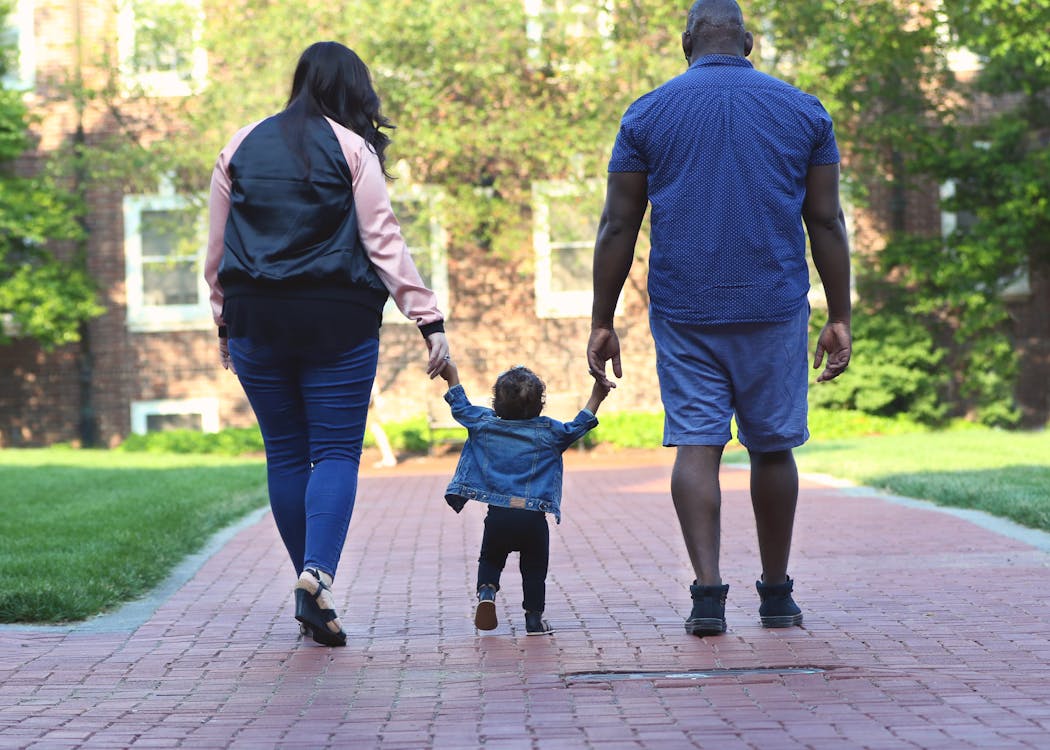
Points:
[(1003, 473), (84, 531)]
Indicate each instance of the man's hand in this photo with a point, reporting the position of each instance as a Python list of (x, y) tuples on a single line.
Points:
[(836, 341), (604, 345)]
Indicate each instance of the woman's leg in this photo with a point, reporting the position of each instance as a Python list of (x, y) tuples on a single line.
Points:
[(335, 395), (271, 383)]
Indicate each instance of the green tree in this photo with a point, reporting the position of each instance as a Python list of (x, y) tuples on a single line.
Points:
[(907, 124), (45, 292), (999, 165)]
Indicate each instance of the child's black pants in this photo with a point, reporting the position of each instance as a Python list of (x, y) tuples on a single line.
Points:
[(516, 530)]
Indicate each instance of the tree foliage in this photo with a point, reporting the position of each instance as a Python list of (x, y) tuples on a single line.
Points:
[(490, 98), (43, 295), (907, 124)]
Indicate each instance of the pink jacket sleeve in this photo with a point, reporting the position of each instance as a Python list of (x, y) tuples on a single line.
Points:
[(218, 211), (381, 233)]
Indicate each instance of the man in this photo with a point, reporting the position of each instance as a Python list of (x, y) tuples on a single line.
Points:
[(733, 162)]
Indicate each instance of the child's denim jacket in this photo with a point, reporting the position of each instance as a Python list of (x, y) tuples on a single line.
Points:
[(515, 463)]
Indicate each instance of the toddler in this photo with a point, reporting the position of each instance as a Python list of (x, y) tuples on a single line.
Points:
[(512, 461)]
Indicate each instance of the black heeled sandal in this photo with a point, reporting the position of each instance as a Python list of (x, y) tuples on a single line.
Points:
[(314, 619)]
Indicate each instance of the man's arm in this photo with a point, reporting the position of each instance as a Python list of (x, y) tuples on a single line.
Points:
[(829, 244), (626, 196)]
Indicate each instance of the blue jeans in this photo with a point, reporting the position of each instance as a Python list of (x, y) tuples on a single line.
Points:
[(311, 411)]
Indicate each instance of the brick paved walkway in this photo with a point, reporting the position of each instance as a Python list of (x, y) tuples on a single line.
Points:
[(923, 630)]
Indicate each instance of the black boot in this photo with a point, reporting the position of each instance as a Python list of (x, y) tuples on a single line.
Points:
[(709, 610), (778, 608)]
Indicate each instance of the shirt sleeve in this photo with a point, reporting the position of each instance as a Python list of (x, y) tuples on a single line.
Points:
[(381, 233), (627, 154), (464, 412), (568, 433), (825, 148)]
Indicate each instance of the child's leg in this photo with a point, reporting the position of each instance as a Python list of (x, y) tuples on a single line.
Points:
[(496, 544), (535, 554)]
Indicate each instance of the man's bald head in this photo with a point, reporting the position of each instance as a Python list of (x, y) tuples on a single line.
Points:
[(716, 27)]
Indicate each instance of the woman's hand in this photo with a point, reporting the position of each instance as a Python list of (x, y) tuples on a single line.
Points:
[(437, 345), (224, 355)]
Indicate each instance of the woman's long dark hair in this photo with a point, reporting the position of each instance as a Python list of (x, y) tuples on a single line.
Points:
[(332, 80)]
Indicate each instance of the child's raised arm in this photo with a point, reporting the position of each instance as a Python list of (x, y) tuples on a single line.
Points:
[(599, 391), (450, 374)]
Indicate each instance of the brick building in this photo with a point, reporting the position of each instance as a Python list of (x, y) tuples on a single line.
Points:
[(150, 361)]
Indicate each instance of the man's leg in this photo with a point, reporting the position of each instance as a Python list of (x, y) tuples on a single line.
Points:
[(774, 495), (697, 498)]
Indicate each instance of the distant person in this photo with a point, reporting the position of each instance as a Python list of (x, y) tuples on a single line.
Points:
[(512, 460), (734, 163), (303, 252)]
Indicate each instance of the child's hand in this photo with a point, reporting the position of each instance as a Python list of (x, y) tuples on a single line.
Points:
[(450, 373), (599, 391)]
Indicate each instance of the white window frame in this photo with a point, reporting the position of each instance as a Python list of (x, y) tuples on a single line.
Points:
[(549, 302), (1018, 286), (949, 219), (534, 25), (144, 317), (959, 59), (207, 408), (432, 197), (160, 82), (20, 24)]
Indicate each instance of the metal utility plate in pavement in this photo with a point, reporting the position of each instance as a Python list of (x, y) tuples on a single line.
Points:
[(706, 674)]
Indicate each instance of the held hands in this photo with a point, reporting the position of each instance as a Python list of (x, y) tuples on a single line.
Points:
[(604, 345), (599, 391), (437, 346), (836, 341), (450, 374)]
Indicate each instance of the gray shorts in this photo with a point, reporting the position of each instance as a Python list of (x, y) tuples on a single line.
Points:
[(757, 372)]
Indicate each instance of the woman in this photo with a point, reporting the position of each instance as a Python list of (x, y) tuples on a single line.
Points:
[(303, 251)]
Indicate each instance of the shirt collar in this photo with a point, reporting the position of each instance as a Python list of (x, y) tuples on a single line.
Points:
[(739, 62)]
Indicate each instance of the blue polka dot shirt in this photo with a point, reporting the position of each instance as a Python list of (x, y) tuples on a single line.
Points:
[(726, 150)]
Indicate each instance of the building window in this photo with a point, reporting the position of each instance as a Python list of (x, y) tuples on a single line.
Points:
[(418, 210), (175, 414), (1015, 286), (953, 220), (565, 219), (18, 35), (164, 253), (554, 27), (159, 43)]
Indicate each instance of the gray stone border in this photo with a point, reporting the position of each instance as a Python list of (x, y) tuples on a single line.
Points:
[(1002, 526)]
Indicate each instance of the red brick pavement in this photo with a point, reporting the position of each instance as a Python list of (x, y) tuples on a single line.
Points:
[(922, 630)]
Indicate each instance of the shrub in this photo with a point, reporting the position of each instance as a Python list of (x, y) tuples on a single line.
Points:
[(629, 430), (896, 369), (233, 441)]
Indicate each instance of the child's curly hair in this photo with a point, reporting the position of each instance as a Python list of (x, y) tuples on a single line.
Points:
[(518, 394)]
